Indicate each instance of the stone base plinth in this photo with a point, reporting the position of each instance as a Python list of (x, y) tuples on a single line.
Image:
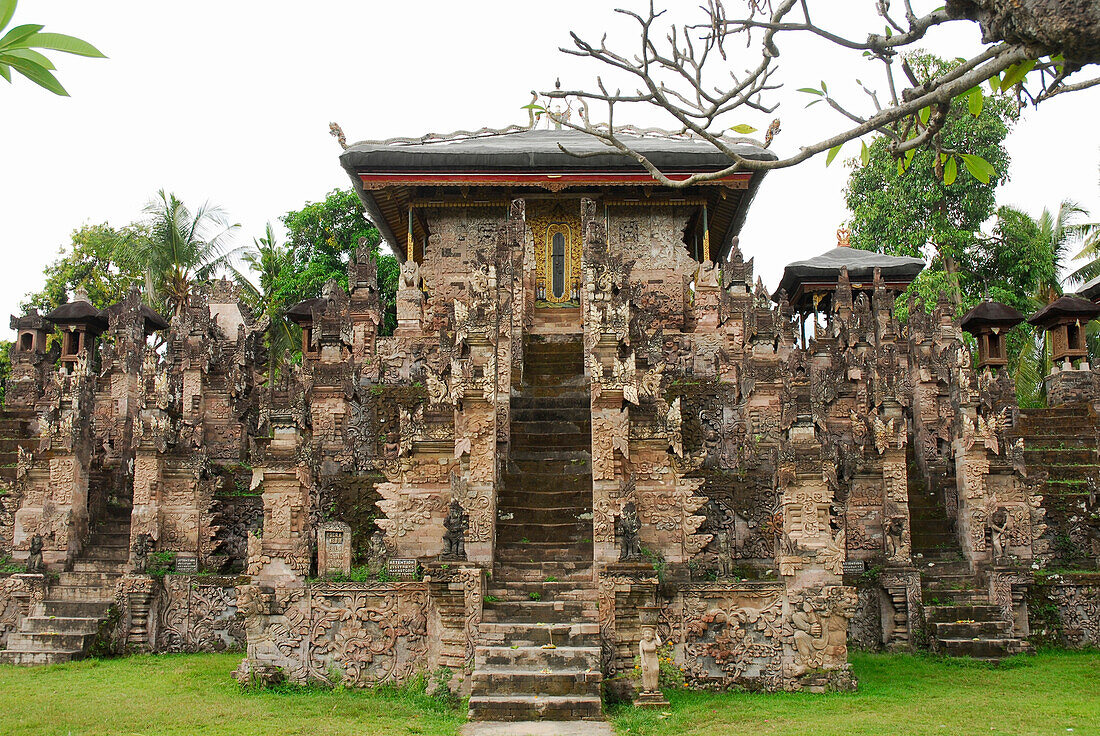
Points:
[(655, 699)]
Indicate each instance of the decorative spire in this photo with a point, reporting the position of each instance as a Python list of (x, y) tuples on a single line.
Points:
[(843, 236)]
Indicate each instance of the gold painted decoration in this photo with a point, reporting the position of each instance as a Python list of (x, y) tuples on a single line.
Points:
[(547, 219)]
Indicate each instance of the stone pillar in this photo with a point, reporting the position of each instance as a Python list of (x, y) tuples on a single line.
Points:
[(286, 534), (333, 549)]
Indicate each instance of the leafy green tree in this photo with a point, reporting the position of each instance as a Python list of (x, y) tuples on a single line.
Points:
[(182, 248), (904, 208), (321, 237), (17, 50), (268, 261), (91, 262)]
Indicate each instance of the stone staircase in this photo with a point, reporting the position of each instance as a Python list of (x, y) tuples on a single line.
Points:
[(66, 623), (961, 619), (1061, 442), (539, 651)]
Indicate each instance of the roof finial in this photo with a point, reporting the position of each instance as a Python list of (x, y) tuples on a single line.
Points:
[(337, 132), (843, 236)]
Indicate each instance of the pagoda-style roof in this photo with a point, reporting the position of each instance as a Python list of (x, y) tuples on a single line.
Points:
[(32, 320), (153, 321), (302, 312), (990, 314), (1090, 290), (821, 273), (392, 176), (78, 312), (1065, 308)]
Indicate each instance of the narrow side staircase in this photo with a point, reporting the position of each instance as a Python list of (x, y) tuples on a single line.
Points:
[(77, 604), (539, 652)]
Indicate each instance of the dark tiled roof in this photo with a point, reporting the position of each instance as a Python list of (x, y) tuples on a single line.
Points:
[(78, 312), (1090, 289), (153, 321), (539, 149), (990, 314), (303, 310), (861, 265), (1065, 306)]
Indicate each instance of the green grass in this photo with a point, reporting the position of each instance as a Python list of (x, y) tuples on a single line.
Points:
[(194, 694), (899, 695)]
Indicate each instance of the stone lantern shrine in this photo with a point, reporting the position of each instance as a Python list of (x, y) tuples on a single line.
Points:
[(80, 324), (988, 322), (1065, 319)]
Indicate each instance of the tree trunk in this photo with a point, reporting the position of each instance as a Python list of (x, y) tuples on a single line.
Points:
[(1069, 27)]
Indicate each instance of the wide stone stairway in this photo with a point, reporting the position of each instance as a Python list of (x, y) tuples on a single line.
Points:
[(539, 652), (65, 626)]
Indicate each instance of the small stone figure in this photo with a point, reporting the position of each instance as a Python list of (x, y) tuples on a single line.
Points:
[(454, 539), (895, 534), (651, 666), (628, 526), (142, 547), (34, 559), (377, 553), (998, 523)]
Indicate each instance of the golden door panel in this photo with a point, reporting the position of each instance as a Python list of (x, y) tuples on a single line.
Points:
[(556, 230)]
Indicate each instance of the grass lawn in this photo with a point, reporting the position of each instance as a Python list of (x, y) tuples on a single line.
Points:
[(1049, 693)]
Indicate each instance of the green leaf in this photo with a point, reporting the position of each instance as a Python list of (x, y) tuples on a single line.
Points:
[(865, 153), (975, 100), (832, 153), (950, 171), (534, 106), (924, 114), (40, 76), (812, 103), (17, 34), (995, 83), (809, 90), (5, 72), (7, 10), (909, 156), (29, 55), (63, 43), (823, 87), (901, 167), (1016, 73), (978, 167), (743, 129)]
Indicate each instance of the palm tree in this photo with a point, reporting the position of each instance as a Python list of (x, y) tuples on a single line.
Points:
[(267, 259), (182, 248)]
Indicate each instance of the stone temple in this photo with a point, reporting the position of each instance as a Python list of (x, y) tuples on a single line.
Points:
[(591, 422)]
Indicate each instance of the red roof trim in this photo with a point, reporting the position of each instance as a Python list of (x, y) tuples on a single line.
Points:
[(374, 179)]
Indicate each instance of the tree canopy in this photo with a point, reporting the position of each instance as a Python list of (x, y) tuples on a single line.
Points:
[(321, 237), (94, 262)]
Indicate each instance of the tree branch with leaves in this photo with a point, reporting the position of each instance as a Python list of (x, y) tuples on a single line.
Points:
[(688, 70), (21, 50)]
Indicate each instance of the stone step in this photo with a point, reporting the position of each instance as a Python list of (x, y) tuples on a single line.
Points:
[(552, 590), (1037, 457), (512, 633), (61, 625), (554, 443), (568, 472), (515, 532), (533, 551), (35, 657), (81, 593), (552, 365), (1059, 441), (954, 614), (549, 461), (1081, 471), (987, 649), (537, 658), (541, 612), (505, 681), (99, 565), (91, 579), (75, 609), (538, 570), (114, 556), (551, 414), (977, 629), (10, 445), (1077, 409), (40, 641), (554, 429), (535, 708), (529, 515), (932, 567), (562, 400)]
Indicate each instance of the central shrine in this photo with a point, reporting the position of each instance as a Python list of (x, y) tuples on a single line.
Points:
[(592, 429)]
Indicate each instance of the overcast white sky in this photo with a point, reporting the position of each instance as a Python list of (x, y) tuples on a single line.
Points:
[(230, 101)]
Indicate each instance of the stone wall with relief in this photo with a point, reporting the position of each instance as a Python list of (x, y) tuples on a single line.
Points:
[(1064, 610)]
